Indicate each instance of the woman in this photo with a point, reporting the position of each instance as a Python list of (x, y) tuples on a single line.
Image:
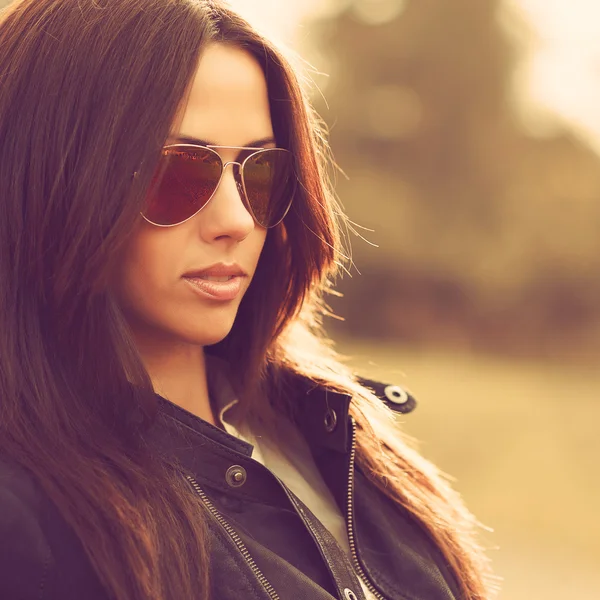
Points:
[(173, 423)]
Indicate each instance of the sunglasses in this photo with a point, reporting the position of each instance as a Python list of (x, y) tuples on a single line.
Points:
[(187, 177)]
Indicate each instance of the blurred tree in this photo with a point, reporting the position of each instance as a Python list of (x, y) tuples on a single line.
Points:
[(487, 234)]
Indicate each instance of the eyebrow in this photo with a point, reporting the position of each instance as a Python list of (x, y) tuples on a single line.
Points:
[(261, 143)]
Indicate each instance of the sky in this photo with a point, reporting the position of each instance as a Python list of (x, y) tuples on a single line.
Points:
[(558, 81)]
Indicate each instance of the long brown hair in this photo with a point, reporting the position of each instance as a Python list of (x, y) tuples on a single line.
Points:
[(90, 89)]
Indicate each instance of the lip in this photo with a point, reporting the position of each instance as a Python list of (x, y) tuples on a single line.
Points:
[(217, 270), (216, 290)]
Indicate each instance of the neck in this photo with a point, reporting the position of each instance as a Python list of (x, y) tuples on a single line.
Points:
[(178, 373)]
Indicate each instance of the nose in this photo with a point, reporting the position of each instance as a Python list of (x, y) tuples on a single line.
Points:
[(226, 215)]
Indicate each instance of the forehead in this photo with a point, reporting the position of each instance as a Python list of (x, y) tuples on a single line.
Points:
[(228, 103)]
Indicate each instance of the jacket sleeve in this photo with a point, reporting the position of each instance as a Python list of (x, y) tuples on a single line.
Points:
[(25, 557)]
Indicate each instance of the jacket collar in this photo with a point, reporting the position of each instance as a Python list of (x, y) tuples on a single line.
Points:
[(208, 452), (320, 413)]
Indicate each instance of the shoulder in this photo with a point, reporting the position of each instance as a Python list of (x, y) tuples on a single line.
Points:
[(25, 556), (394, 396), (16, 481), (41, 557)]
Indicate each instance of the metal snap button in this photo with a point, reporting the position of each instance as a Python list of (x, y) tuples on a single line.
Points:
[(236, 476), (330, 420), (349, 594), (395, 394)]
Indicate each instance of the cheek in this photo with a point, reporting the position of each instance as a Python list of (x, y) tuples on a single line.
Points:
[(260, 236), (154, 298), (146, 270)]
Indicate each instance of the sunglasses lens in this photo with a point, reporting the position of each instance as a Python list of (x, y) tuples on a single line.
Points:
[(268, 177), (183, 183)]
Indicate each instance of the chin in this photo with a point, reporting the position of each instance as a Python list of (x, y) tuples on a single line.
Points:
[(208, 336)]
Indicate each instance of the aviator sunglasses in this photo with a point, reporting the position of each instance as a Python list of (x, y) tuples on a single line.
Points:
[(188, 175)]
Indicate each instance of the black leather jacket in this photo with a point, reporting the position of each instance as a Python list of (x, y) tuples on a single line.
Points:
[(265, 544)]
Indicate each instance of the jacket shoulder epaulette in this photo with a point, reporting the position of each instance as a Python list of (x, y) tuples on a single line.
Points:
[(394, 396)]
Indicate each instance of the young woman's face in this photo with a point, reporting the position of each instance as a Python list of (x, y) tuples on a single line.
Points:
[(228, 106)]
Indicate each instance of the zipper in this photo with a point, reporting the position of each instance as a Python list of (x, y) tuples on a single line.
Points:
[(350, 519), (234, 536), (315, 535)]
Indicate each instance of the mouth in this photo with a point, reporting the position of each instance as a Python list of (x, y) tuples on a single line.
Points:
[(219, 281), (217, 272), (216, 287), (216, 278)]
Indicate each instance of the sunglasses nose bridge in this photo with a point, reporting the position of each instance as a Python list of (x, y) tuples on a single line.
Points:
[(232, 162), (237, 174), (237, 177)]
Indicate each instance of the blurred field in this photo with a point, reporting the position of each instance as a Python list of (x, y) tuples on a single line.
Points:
[(521, 439)]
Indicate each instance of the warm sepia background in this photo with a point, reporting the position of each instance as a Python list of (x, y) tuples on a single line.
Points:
[(469, 135), (469, 132)]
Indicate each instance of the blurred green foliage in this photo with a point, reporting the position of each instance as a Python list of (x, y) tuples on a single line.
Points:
[(487, 233)]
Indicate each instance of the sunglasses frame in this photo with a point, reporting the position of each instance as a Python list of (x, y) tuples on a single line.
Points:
[(224, 165)]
